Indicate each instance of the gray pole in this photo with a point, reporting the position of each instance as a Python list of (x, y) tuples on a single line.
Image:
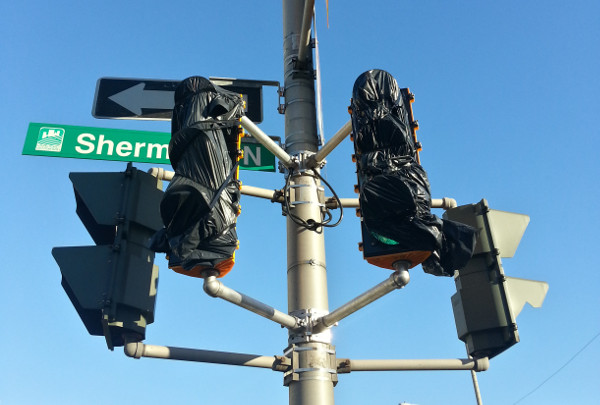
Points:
[(313, 371), (476, 387), (475, 382)]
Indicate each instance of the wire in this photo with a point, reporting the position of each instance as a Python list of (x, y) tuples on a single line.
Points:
[(560, 368), (311, 224), (337, 199)]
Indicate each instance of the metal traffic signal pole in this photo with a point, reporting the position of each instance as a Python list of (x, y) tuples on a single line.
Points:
[(313, 371)]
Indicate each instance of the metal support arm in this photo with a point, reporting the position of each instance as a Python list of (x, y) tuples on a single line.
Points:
[(267, 142), (139, 349), (162, 174), (336, 139), (444, 203), (273, 195), (347, 365), (398, 279), (215, 288)]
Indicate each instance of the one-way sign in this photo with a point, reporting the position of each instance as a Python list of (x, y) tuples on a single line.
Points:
[(149, 99), (138, 99)]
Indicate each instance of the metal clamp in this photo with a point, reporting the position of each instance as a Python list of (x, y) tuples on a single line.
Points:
[(306, 334), (281, 106), (311, 363)]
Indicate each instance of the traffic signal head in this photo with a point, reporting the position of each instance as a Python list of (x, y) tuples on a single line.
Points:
[(113, 284), (487, 302), (394, 194), (201, 204)]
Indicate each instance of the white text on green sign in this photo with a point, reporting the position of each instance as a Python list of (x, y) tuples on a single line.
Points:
[(121, 145)]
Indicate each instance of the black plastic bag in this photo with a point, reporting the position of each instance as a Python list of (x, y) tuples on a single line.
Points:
[(201, 203), (458, 244)]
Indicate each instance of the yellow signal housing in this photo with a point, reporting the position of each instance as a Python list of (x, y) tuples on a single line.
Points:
[(414, 124)]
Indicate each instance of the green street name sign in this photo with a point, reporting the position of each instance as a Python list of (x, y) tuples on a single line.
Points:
[(69, 141)]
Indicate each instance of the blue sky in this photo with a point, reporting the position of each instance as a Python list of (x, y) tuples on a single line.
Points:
[(506, 97)]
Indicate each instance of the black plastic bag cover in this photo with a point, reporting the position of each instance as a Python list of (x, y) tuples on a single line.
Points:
[(395, 196), (201, 203), (458, 244)]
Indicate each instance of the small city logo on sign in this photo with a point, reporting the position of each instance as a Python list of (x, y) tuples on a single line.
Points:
[(50, 139)]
